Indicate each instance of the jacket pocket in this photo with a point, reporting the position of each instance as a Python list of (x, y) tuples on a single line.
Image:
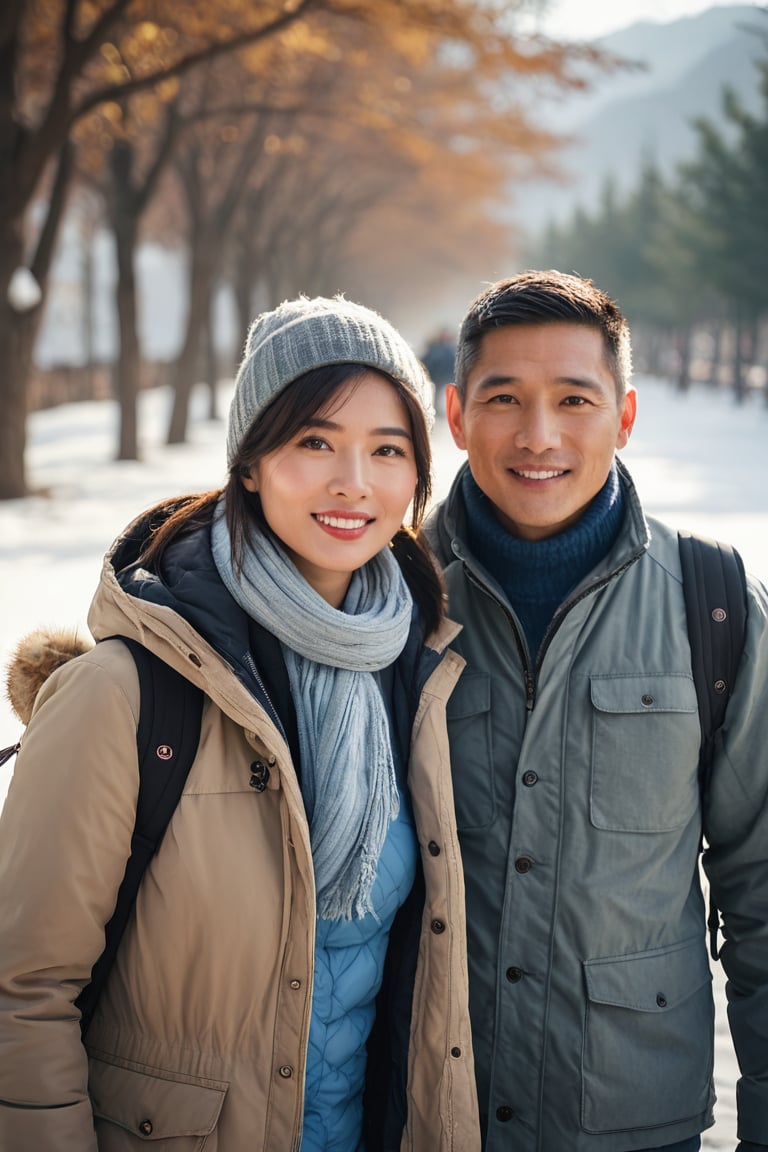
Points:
[(648, 1039), (135, 1105), (468, 713), (645, 749)]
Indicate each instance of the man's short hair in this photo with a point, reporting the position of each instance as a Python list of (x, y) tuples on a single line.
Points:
[(550, 297)]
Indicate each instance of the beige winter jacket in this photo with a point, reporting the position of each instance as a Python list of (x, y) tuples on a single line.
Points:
[(199, 1039)]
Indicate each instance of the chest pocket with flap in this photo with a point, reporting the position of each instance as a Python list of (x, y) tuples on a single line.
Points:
[(645, 748)]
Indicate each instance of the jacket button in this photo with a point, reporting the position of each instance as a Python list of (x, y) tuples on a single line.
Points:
[(529, 779), (286, 1071), (295, 984), (523, 864), (145, 1127), (720, 686), (456, 1052), (661, 1000), (433, 848), (646, 700), (504, 1113), (259, 775), (437, 926), (514, 974)]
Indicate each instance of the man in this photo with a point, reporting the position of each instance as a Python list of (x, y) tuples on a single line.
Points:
[(574, 743)]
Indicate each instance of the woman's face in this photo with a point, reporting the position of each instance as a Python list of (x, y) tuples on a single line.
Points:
[(337, 493)]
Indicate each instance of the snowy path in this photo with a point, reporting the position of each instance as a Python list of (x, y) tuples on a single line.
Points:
[(699, 462)]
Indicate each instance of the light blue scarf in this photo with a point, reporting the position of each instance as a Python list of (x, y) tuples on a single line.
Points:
[(348, 774)]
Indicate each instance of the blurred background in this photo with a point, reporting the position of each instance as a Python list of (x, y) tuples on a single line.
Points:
[(169, 170)]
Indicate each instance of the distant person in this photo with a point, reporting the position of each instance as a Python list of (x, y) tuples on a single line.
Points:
[(438, 360), (294, 974), (575, 737)]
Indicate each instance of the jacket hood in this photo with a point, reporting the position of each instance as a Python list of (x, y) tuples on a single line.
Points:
[(186, 582), (180, 610), (34, 659)]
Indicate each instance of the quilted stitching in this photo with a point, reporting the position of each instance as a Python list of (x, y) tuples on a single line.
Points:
[(349, 963)]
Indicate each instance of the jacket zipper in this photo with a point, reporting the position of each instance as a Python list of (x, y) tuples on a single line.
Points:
[(564, 609), (522, 646), (530, 675), (254, 671)]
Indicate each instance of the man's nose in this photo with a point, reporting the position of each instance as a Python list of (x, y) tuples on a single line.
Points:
[(538, 429)]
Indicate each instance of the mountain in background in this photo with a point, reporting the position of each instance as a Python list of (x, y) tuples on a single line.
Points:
[(648, 112)]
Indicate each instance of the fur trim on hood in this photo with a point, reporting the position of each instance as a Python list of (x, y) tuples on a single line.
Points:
[(34, 659)]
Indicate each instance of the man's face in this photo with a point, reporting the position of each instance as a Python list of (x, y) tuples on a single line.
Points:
[(540, 423)]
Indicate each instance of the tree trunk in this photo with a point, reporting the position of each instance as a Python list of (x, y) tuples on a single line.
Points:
[(684, 359), (18, 330), (87, 281), (128, 365), (738, 362), (243, 289), (16, 342), (653, 340), (716, 364), (201, 273), (211, 362), (125, 211)]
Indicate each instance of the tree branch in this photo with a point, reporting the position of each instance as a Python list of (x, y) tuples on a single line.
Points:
[(170, 133), (186, 63), (41, 261), (68, 23)]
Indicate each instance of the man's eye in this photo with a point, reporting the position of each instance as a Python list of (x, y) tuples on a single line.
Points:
[(502, 398), (575, 401)]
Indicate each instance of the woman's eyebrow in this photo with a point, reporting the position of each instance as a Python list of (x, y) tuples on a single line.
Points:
[(332, 426)]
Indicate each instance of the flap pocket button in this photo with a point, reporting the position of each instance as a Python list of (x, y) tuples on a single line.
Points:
[(145, 1127)]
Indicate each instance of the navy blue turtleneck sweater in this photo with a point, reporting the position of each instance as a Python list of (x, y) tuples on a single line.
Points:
[(537, 575)]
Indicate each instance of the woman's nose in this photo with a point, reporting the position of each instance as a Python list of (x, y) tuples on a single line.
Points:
[(351, 478)]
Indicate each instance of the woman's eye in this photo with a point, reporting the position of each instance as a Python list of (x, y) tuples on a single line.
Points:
[(390, 450), (313, 442)]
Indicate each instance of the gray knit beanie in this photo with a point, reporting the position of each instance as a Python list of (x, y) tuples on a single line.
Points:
[(308, 333)]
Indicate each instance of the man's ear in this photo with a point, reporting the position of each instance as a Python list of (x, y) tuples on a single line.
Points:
[(455, 415), (628, 415)]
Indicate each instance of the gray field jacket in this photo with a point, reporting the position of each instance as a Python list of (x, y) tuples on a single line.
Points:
[(579, 817)]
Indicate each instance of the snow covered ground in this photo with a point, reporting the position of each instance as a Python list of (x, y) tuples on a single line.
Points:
[(700, 463)]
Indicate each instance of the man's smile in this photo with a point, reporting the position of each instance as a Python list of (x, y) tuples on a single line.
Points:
[(539, 473)]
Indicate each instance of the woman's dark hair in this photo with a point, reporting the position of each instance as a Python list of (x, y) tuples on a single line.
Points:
[(308, 396)]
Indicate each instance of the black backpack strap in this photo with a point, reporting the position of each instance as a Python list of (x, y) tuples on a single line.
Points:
[(715, 588), (167, 737), (8, 753)]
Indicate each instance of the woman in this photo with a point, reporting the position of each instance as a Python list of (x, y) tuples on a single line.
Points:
[(293, 976)]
